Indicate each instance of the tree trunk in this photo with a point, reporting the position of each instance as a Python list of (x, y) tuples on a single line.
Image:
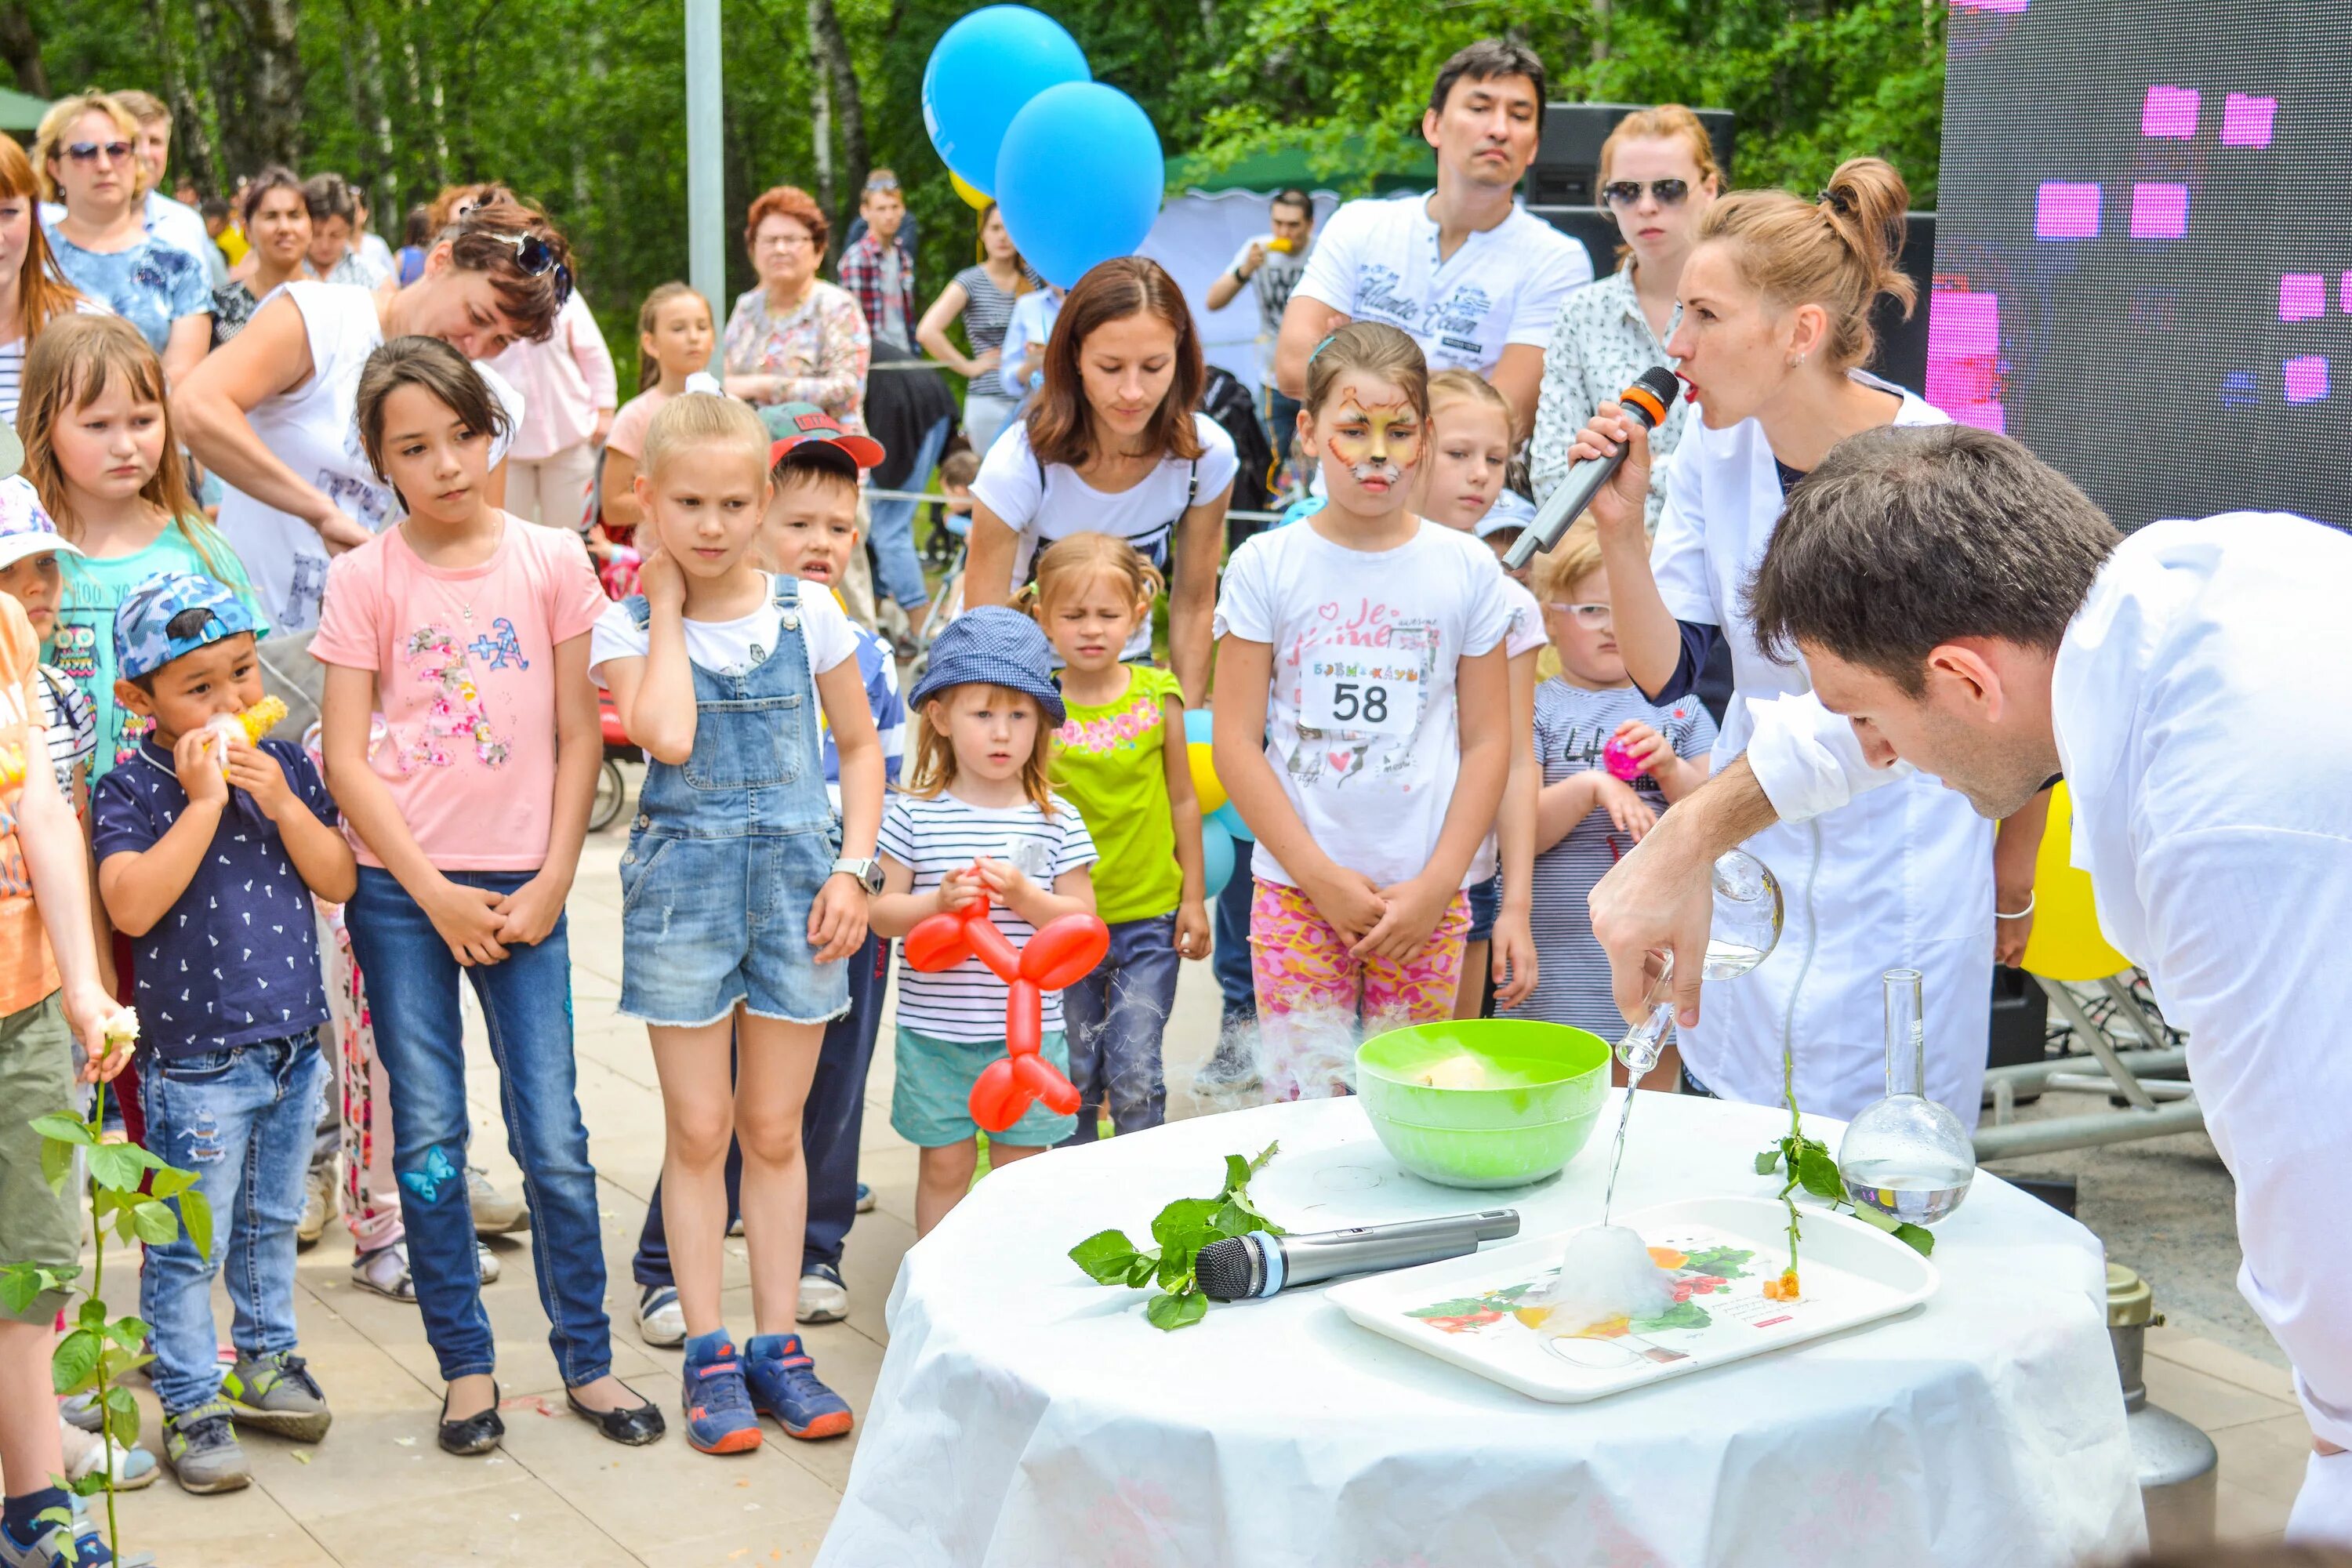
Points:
[(273, 66), (819, 120), (424, 85), (1600, 30), (20, 46), (829, 56), (190, 144), (386, 184)]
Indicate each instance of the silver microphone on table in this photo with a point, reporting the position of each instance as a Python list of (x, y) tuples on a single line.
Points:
[(1647, 402), (1261, 1264)]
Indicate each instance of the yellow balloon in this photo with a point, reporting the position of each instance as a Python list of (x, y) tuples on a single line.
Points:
[(2066, 943), (1205, 777), (973, 197)]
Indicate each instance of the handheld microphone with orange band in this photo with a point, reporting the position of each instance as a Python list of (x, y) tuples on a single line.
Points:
[(1647, 401)]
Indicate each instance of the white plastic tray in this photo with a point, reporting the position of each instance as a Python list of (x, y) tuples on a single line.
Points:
[(1849, 1273)]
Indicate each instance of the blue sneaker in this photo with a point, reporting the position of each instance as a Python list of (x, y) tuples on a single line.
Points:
[(719, 1418), (865, 1198), (784, 1385)]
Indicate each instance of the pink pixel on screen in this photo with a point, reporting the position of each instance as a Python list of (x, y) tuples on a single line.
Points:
[(2169, 111), (2306, 378), (2246, 120), (1963, 357), (2159, 211), (2006, 8), (2302, 297), (2063, 210), (2344, 294)]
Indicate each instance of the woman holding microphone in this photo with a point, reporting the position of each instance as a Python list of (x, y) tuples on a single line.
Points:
[(1776, 299)]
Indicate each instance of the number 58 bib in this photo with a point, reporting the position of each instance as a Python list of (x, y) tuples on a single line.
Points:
[(1363, 691)]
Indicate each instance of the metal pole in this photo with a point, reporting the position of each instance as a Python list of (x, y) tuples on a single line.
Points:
[(706, 163)]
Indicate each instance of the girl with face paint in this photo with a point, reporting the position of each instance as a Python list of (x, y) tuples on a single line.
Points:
[(1361, 725)]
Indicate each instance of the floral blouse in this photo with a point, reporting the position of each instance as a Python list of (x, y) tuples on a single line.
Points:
[(821, 349), (1600, 346)]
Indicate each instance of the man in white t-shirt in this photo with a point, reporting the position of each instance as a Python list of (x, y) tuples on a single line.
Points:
[(1474, 279), (1271, 265)]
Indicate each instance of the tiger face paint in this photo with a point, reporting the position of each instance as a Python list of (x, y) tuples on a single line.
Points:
[(1376, 438)]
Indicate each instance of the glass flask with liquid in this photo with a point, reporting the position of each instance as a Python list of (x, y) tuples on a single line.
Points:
[(1743, 929), (1907, 1155)]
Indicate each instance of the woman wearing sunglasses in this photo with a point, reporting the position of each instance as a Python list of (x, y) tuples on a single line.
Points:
[(85, 153), (272, 412), (1658, 177), (1775, 326)]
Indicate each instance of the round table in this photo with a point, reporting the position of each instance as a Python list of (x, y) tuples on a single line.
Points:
[(1026, 1415)]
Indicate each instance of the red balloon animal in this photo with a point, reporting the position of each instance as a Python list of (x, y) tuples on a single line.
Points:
[(1062, 952)]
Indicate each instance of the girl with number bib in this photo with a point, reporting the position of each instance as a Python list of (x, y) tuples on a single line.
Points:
[(1363, 725)]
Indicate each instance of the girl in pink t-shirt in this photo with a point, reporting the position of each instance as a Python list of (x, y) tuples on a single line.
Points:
[(462, 744)]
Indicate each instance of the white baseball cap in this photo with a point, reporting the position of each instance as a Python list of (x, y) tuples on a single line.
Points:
[(26, 527), (1511, 510)]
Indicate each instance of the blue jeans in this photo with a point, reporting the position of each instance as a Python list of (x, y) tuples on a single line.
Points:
[(240, 1118), (898, 569), (1115, 1017), (526, 1000), (833, 1119), (1229, 917)]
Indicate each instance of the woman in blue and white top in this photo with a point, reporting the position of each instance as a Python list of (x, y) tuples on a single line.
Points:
[(1658, 178), (1776, 303)]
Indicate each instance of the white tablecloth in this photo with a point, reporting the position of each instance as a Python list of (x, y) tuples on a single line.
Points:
[(1026, 1417)]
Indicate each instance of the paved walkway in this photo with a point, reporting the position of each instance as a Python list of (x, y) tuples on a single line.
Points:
[(378, 1491)]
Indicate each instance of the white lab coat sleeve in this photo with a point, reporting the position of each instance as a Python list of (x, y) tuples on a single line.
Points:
[(1678, 555), (2244, 928), (1807, 758)]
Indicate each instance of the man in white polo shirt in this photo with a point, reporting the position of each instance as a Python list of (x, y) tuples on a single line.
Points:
[(1472, 278)]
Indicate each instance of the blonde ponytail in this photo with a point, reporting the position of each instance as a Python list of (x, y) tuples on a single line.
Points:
[(1840, 252)]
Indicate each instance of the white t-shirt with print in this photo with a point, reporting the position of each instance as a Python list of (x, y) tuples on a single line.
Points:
[(1270, 285), (1361, 722), (1043, 503), (933, 838), (732, 648), (1377, 261), (314, 430)]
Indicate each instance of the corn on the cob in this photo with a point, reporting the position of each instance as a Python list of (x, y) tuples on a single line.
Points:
[(254, 723)]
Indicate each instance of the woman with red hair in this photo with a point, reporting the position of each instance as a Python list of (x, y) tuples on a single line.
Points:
[(796, 338), (33, 291)]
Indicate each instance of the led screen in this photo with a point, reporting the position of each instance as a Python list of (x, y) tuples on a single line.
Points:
[(2143, 251)]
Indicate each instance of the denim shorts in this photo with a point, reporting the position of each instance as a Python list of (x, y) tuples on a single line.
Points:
[(930, 1102), (709, 923), (1485, 903)]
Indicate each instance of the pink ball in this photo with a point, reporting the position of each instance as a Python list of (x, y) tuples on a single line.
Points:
[(1620, 762)]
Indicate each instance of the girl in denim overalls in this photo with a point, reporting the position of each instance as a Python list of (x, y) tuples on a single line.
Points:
[(737, 911)]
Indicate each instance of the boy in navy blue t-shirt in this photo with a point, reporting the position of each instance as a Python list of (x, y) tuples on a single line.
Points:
[(209, 846)]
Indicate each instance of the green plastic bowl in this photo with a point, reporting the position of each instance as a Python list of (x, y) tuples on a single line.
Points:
[(1520, 1109)]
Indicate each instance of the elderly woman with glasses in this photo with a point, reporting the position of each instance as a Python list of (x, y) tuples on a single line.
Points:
[(86, 153), (796, 338), (273, 412), (1658, 177)]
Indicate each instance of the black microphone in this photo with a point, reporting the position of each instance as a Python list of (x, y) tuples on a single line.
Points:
[(1261, 1264), (1645, 401)]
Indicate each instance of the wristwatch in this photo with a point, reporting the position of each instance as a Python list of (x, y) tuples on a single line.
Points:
[(867, 871)]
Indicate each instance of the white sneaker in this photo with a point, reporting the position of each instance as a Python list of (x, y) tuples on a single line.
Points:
[(489, 1262), (385, 1272), (495, 1212), (318, 1205), (823, 1298), (660, 1320)]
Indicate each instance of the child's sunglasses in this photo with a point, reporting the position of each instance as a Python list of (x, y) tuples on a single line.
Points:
[(536, 257)]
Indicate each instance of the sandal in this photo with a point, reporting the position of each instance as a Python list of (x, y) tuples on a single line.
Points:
[(385, 1272)]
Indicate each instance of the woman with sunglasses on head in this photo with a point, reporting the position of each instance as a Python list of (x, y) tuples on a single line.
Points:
[(86, 153), (272, 412), (1775, 325), (1658, 177)]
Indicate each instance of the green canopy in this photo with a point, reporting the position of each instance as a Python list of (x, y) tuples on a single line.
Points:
[(21, 111), (1410, 168)]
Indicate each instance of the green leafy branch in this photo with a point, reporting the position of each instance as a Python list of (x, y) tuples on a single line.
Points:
[(97, 1350), (1181, 1231), (1810, 1165)]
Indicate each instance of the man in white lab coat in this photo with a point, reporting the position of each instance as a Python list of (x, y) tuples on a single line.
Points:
[(1964, 610)]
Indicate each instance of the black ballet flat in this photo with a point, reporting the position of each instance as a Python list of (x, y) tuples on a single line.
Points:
[(476, 1433), (632, 1427)]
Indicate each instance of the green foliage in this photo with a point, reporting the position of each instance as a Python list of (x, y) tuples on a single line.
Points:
[(1181, 1229), (1815, 1170), (580, 104)]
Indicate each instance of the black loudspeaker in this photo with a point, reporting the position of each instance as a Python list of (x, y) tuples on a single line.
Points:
[(1902, 354), (1560, 184), (2020, 1019)]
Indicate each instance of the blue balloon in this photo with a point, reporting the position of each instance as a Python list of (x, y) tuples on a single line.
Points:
[(980, 74), (1199, 726), (1226, 818), (1078, 178), (1217, 856)]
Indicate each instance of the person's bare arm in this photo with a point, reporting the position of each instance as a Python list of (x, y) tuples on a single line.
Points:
[(1228, 283), (57, 864), (897, 909), (841, 912), (1192, 598), (622, 507), (1514, 948), (1305, 323), (2014, 857), (1560, 807), (1659, 896), (1647, 634), (1073, 892), (1483, 689), (1519, 376), (1184, 808), (655, 695), (988, 561), (270, 356), (191, 339), (931, 333)]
